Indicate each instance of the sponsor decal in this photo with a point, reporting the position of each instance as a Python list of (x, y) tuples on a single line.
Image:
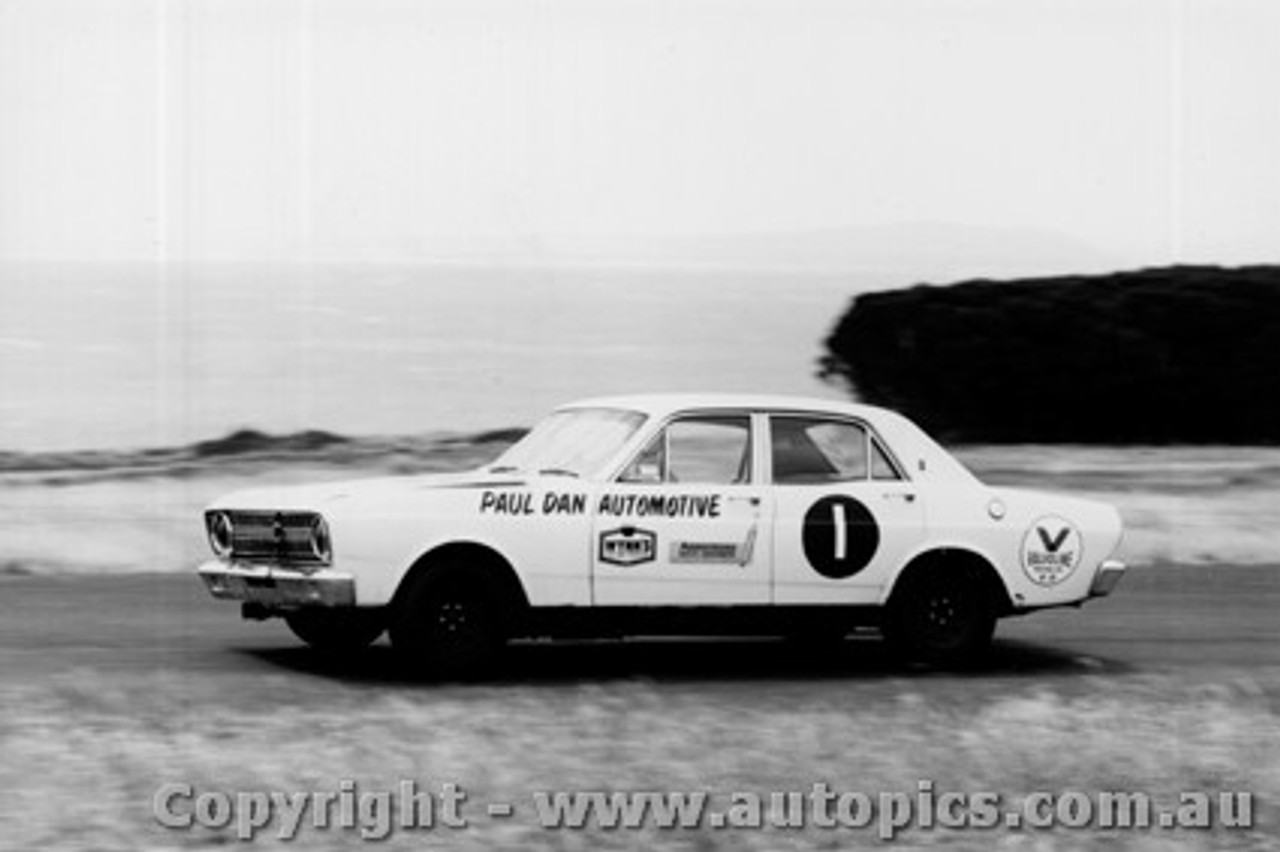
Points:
[(840, 537), (660, 505), (527, 503), (564, 504), (506, 503), (714, 552), (1051, 550), (628, 546), (495, 502)]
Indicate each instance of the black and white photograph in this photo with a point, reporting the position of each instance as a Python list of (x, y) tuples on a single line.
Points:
[(639, 425)]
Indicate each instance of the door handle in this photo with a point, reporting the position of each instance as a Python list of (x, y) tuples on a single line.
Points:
[(752, 500), (904, 495)]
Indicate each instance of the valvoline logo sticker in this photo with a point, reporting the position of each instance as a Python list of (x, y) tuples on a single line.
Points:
[(1051, 550)]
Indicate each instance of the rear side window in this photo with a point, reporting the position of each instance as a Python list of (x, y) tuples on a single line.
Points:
[(882, 466), (808, 450)]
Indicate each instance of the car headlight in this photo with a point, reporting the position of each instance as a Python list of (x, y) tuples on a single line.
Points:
[(321, 543), (221, 534)]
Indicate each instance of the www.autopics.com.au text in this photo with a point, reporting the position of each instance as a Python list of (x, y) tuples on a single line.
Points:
[(377, 814)]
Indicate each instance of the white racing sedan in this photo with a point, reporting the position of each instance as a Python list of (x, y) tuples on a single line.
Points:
[(673, 514)]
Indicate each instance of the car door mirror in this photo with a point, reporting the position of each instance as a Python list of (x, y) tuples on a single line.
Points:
[(647, 472), (643, 473)]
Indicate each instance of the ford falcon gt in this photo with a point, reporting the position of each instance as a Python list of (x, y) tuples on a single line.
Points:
[(666, 514)]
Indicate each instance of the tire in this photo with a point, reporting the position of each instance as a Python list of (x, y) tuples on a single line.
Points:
[(943, 616), (448, 628), (337, 630)]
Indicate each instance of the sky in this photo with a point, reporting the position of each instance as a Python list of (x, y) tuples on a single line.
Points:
[(196, 197), (1141, 130)]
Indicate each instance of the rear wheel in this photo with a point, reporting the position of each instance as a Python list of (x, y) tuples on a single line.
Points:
[(448, 627), (942, 615), (337, 630)]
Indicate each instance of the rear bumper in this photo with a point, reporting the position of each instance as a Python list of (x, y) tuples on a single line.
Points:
[(1109, 574), (274, 588)]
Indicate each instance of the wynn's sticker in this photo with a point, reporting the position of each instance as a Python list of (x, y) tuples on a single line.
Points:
[(1051, 550), (628, 546)]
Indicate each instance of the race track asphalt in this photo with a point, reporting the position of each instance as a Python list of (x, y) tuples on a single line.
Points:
[(1200, 624)]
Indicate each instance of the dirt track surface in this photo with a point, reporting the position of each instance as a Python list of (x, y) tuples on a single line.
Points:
[(1197, 623)]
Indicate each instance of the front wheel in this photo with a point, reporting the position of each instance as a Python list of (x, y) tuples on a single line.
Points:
[(448, 628), (942, 616), (337, 630)]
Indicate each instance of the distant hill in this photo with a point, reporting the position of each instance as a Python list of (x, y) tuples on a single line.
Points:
[(899, 250), (1187, 354), (247, 449), (252, 441)]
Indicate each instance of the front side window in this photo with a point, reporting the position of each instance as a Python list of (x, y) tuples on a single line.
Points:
[(809, 450), (704, 450)]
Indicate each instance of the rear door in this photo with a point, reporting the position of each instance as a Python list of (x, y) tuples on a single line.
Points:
[(687, 521), (845, 515)]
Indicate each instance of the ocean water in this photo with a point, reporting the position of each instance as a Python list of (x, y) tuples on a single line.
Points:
[(95, 357)]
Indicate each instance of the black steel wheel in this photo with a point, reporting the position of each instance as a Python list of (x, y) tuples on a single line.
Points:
[(942, 616), (448, 628)]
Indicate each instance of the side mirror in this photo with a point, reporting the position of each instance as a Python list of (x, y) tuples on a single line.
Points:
[(648, 472)]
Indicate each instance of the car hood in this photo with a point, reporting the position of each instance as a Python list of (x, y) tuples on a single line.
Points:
[(321, 496)]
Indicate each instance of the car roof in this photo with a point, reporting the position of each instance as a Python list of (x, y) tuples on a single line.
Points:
[(663, 404), (916, 448)]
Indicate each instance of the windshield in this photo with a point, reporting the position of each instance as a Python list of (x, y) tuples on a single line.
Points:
[(574, 442)]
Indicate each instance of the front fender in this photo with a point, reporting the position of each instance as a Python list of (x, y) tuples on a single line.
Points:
[(378, 542)]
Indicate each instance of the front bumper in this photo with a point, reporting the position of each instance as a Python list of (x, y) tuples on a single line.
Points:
[(1109, 574), (277, 588)]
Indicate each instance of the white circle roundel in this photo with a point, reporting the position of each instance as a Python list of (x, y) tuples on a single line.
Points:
[(1051, 550)]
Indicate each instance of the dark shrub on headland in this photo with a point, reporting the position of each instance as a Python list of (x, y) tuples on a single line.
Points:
[(1183, 354), (498, 436), (252, 441)]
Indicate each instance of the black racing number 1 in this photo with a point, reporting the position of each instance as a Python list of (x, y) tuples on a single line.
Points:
[(840, 537)]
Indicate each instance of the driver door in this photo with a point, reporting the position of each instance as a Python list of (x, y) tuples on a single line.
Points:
[(687, 522)]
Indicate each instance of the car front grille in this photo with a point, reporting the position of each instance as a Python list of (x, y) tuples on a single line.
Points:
[(279, 537)]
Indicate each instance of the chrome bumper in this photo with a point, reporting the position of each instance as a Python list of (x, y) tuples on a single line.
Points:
[(275, 588), (1109, 574)]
